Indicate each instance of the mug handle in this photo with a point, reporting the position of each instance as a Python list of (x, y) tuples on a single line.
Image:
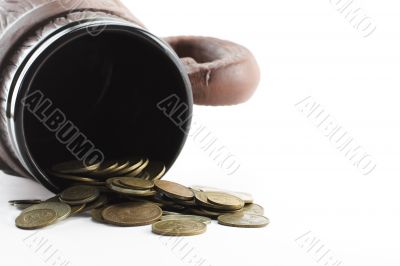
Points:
[(221, 72)]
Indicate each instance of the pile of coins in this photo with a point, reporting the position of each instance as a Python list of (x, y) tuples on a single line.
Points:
[(131, 193)]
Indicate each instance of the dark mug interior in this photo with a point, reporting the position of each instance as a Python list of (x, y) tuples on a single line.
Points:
[(108, 86)]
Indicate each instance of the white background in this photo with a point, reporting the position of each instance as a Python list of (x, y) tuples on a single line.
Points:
[(304, 48)]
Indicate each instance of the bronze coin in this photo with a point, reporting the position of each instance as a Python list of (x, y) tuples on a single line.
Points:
[(253, 209), (246, 197), (174, 190), (106, 168), (202, 199), (76, 209), (246, 220), (179, 228), (143, 175), (202, 219), (79, 194), (122, 165), (132, 214), (138, 170), (36, 219), (136, 183), (133, 164), (155, 170), (226, 201), (114, 185), (62, 210)]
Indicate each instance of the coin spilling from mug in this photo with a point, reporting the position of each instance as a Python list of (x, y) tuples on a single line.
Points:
[(130, 192)]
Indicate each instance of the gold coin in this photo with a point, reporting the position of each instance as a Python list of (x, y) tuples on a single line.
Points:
[(246, 220), (133, 192), (115, 182), (114, 185), (74, 167), (138, 170), (76, 209), (226, 201), (155, 170), (174, 190), (136, 183), (62, 210), (179, 228), (143, 175), (246, 197), (202, 199), (186, 217), (253, 209), (138, 199), (36, 219), (132, 214), (80, 194), (121, 166), (133, 164), (106, 168)]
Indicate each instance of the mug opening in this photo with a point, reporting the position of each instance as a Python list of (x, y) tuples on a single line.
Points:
[(101, 92)]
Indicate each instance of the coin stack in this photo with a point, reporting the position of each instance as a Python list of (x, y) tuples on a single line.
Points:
[(130, 192)]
